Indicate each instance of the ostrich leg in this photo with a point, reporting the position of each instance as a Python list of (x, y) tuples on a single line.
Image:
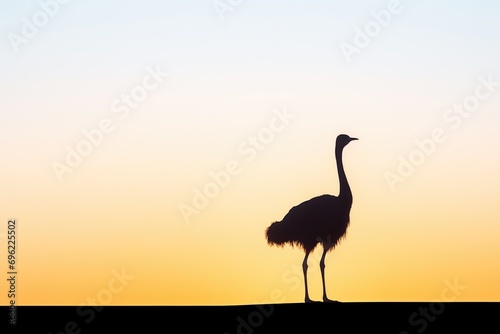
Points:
[(304, 268), (322, 267)]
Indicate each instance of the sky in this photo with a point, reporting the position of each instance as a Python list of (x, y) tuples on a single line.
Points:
[(146, 147)]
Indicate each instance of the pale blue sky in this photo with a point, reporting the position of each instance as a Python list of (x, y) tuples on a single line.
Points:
[(264, 54), (444, 37)]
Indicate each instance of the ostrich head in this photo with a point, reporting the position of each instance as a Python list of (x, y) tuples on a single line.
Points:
[(343, 140)]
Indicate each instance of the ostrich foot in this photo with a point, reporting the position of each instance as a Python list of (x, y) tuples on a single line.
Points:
[(308, 300), (326, 300)]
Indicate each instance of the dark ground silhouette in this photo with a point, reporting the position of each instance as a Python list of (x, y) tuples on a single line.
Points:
[(398, 318), (320, 220)]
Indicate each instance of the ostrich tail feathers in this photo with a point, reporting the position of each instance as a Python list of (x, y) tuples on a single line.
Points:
[(276, 235)]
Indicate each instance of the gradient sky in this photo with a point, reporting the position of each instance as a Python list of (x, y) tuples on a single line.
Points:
[(120, 207)]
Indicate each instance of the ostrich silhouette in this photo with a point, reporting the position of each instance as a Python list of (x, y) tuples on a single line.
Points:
[(323, 219)]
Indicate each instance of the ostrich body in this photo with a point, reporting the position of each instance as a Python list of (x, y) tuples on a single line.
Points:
[(320, 220)]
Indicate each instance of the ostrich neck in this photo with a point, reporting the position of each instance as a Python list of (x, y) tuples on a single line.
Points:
[(345, 190)]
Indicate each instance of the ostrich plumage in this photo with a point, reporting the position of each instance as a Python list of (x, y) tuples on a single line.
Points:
[(321, 220)]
